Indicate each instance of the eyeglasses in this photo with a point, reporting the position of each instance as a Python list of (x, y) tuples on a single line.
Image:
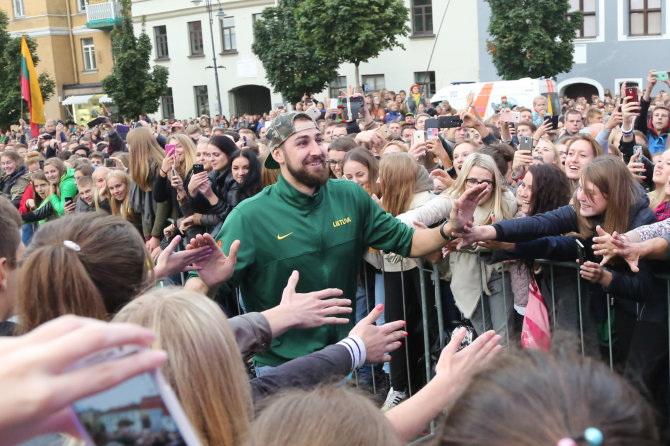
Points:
[(334, 162), (472, 182)]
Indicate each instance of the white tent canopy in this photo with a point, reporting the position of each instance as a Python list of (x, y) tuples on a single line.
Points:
[(78, 99)]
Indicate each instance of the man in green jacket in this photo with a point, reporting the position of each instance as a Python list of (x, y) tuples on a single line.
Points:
[(314, 225)]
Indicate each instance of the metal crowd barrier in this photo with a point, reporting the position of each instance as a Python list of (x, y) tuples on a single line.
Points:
[(506, 294), (432, 270)]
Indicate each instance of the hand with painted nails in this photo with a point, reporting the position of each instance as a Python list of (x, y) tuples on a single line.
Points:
[(379, 340)]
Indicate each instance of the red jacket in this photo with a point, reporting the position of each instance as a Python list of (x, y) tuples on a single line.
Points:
[(27, 194)]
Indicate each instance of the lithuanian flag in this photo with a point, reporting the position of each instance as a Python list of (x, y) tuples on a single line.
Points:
[(30, 89)]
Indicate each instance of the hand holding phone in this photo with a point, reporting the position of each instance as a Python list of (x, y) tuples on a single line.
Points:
[(147, 401), (526, 143), (581, 252), (631, 92), (419, 136)]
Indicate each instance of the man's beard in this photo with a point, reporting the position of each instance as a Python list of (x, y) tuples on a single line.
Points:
[(307, 178)]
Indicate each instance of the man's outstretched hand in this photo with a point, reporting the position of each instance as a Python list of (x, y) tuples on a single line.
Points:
[(217, 268), (463, 210)]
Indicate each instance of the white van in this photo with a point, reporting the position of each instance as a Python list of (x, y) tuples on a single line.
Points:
[(519, 92)]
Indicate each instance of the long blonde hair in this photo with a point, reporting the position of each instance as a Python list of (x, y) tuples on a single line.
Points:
[(397, 180), (121, 208), (189, 154), (498, 209), (326, 416), (204, 366), (658, 195), (146, 157)]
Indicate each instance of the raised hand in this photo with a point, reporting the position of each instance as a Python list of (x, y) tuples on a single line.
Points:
[(217, 268), (463, 210), (612, 245), (379, 340)]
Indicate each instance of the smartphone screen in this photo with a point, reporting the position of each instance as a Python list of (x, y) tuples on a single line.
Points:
[(432, 133), (419, 136), (131, 413)]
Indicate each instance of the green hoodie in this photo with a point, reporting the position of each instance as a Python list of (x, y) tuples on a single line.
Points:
[(323, 236), (67, 189)]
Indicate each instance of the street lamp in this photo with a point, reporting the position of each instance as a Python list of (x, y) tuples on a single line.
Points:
[(219, 13)]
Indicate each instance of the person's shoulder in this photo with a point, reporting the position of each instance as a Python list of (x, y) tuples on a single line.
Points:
[(340, 186)]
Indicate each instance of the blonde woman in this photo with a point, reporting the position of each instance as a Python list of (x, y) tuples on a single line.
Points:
[(404, 186), (118, 185), (146, 157), (658, 197), (205, 368), (499, 204), (174, 173)]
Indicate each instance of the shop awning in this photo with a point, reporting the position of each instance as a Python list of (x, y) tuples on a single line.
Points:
[(78, 99), (105, 100)]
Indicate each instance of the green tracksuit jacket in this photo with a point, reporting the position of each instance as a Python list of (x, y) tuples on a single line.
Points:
[(322, 236)]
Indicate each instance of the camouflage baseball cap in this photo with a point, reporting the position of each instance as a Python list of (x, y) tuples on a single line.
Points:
[(281, 129)]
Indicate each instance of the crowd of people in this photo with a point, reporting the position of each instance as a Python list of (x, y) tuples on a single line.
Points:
[(299, 242)]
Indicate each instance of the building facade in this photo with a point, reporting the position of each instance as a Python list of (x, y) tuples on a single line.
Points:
[(620, 41), (180, 31), (74, 48)]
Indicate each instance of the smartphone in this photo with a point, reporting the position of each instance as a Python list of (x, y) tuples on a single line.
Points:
[(385, 133), (352, 107), (197, 168), (122, 128), (334, 103), (526, 143), (661, 75), (45, 136), (631, 92), (109, 162), (553, 119), (432, 123), (169, 149), (97, 121), (174, 171), (143, 409), (510, 116), (432, 133), (419, 136), (313, 112), (68, 200), (637, 150), (581, 253), (449, 122)]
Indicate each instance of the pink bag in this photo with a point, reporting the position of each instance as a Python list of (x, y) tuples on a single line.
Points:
[(535, 332)]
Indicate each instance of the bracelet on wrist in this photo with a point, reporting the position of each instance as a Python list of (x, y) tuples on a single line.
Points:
[(164, 172), (445, 236), (627, 132)]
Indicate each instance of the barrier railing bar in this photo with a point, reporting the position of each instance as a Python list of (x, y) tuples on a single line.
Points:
[(435, 276)]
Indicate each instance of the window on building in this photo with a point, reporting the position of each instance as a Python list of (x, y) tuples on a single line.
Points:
[(588, 9), (201, 100), (88, 51), (160, 38), (644, 17), (18, 8), (426, 79), (422, 17), (335, 85), (229, 42), (167, 104), (81, 5), (375, 82), (256, 17), (195, 38)]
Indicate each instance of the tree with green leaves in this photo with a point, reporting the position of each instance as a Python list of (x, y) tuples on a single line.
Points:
[(532, 38), (352, 31), (292, 67), (135, 87), (11, 101)]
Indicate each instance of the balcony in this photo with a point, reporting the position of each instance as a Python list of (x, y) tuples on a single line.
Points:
[(103, 15)]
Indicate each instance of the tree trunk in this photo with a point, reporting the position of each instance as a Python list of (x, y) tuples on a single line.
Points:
[(358, 77)]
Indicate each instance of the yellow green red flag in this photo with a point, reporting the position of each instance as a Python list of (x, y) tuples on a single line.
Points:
[(30, 89)]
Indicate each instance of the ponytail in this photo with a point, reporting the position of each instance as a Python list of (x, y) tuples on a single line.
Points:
[(54, 282)]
